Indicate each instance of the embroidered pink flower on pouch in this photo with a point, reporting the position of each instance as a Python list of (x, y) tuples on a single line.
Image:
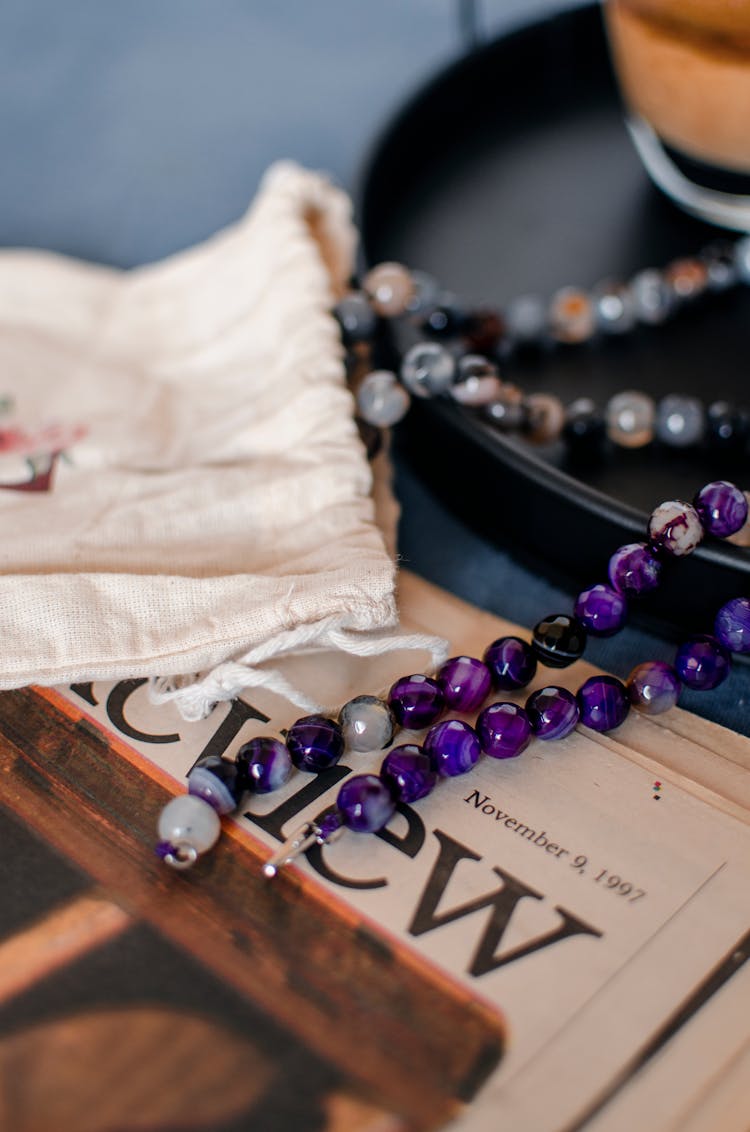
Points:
[(41, 447), (42, 441)]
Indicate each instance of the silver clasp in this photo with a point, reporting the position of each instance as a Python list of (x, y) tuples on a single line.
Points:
[(298, 842)]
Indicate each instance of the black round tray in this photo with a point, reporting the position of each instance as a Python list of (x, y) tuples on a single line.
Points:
[(511, 172)]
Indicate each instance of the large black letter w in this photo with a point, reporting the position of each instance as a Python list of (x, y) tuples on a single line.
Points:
[(502, 901)]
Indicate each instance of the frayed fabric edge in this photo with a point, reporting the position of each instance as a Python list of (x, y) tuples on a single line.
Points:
[(196, 696)]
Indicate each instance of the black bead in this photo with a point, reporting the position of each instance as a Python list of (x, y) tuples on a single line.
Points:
[(507, 416), (585, 431), (356, 318), (371, 436), (558, 640), (445, 321), (727, 427), (483, 330), (719, 261)]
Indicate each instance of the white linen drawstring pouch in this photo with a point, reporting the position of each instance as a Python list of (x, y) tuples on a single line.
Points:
[(183, 492)]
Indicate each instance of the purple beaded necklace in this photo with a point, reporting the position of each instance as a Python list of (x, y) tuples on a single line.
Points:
[(190, 824)]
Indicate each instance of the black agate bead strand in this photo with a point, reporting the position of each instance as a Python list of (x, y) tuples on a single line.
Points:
[(459, 355)]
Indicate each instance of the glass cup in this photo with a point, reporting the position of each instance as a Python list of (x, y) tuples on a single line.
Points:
[(684, 71)]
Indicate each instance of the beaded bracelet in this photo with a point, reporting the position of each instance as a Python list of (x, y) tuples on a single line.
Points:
[(190, 825), (630, 419)]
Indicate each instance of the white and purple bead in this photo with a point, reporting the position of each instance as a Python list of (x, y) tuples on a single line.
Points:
[(675, 528)]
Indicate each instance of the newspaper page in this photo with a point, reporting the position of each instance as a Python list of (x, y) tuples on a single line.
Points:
[(598, 897)]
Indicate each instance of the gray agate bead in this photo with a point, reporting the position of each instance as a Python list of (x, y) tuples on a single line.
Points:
[(428, 369), (426, 293), (188, 826), (526, 318), (367, 723), (721, 265), (680, 421), (545, 417), (613, 307), (356, 318), (652, 297), (389, 288), (381, 401), (477, 382), (630, 419), (742, 258), (571, 315)]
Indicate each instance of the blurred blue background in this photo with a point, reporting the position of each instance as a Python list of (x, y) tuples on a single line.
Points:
[(131, 130)]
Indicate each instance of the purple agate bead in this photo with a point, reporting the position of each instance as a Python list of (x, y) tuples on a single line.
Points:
[(264, 764), (732, 625), (603, 701), (504, 730), (216, 780), (634, 569), (601, 610), (409, 773), (553, 712), (453, 747), (365, 803), (329, 823), (653, 687), (465, 683), (511, 662), (416, 701), (315, 743), (722, 508), (702, 663)]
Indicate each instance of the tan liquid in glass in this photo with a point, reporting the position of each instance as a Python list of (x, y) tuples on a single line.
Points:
[(684, 66)]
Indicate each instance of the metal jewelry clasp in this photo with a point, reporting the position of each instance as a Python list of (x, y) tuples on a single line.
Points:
[(298, 842)]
